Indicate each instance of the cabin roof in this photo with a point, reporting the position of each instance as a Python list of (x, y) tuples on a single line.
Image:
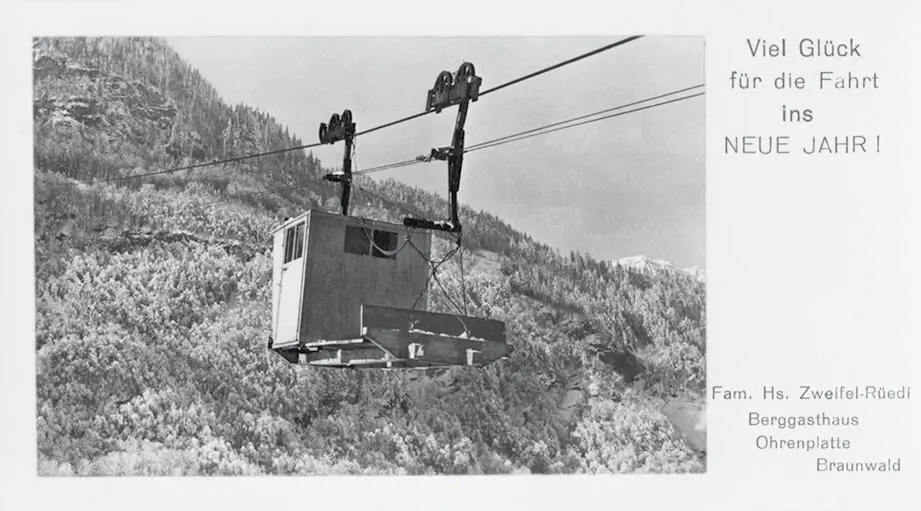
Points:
[(349, 220)]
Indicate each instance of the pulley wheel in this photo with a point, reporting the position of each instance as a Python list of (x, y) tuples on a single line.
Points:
[(444, 81), (465, 71)]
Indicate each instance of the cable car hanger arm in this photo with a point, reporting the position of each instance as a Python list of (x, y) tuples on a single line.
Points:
[(459, 89), (341, 128)]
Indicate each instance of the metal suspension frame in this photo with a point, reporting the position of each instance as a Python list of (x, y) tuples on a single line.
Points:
[(341, 128), (459, 89)]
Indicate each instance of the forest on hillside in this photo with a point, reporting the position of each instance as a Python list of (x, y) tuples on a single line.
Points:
[(153, 299)]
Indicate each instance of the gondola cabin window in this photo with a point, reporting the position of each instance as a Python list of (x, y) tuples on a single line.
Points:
[(358, 242), (294, 242), (385, 244)]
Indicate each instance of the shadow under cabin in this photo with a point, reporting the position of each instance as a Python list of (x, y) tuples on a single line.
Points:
[(351, 292)]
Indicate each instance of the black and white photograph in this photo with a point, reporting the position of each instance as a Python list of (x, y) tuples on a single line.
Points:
[(356, 255)]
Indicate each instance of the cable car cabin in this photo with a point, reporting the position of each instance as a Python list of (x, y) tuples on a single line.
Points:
[(352, 292)]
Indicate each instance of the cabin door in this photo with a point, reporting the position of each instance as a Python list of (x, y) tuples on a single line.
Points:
[(291, 285)]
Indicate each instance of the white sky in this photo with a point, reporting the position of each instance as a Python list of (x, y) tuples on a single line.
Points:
[(630, 185)]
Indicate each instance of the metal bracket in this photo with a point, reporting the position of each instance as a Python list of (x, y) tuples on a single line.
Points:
[(422, 223), (339, 128), (440, 153), (453, 89)]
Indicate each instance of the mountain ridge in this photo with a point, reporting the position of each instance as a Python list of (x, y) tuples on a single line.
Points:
[(643, 263)]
